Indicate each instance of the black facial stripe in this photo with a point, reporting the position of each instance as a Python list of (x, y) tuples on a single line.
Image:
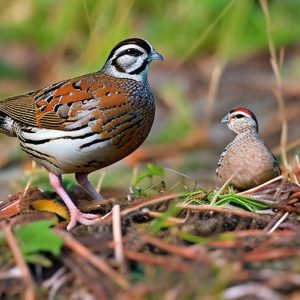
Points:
[(131, 52), (140, 69), (117, 66), (135, 41), (239, 116)]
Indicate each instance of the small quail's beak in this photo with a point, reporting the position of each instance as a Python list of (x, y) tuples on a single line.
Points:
[(154, 55), (225, 119)]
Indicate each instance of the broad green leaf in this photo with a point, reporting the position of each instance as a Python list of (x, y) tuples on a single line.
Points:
[(37, 236)]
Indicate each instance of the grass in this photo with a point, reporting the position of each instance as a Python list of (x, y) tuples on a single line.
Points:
[(89, 29)]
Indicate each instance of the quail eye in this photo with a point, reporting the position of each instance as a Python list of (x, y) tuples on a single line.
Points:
[(239, 116), (133, 52)]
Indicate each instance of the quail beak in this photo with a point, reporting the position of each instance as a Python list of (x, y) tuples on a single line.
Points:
[(225, 119), (154, 55)]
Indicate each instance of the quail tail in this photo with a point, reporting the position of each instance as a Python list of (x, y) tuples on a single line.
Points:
[(75, 214), (5, 124)]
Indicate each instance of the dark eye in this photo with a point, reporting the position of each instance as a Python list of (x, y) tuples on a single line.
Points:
[(239, 116), (133, 52)]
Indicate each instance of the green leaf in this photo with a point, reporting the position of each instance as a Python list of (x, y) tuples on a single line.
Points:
[(38, 259), (38, 237)]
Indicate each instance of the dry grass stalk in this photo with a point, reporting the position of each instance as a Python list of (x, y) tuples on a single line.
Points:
[(278, 223), (169, 220), (185, 251), (96, 261), (261, 186), (213, 91), (147, 202), (16, 251), (276, 64), (117, 235)]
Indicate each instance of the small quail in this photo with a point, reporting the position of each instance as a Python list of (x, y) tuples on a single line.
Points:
[(84, 124), (246, 158)]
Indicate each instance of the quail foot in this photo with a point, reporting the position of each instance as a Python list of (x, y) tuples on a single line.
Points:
[(246, 159), (84, 124)]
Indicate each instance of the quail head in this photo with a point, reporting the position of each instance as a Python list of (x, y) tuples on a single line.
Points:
[(246, 159), (84, 124)]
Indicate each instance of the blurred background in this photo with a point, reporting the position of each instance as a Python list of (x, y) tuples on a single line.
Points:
[(216, 57)]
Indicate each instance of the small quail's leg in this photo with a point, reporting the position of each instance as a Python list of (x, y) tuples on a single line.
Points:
[(82, 179), (75, 213)]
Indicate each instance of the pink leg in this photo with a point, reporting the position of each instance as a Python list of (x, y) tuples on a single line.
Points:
[(82, 179), (75, 213)]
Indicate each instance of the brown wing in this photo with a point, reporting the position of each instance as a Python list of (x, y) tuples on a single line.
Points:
[(67, 105)]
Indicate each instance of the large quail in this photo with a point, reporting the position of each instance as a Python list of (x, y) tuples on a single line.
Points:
[(84, 124), (246, 158)]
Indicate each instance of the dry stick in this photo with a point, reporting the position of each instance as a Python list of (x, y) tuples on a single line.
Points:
[(58, 284), (278, 90), (238, 212), (51, 281), (27, 186), (145, 202), (296, 169), (160, 260), (96, 261), (155, 214), (278, 223), (187, 252), (117, 234), (259, 187), (271, 254), (13, 245), (100, 181)]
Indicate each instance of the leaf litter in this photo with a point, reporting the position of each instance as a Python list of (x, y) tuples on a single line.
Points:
[(163, 239)]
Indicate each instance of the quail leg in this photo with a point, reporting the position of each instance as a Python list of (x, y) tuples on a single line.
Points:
[(82, 179), (75, 214)]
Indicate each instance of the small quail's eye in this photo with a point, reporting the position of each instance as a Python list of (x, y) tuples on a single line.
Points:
[(133, 52), (239, 116)]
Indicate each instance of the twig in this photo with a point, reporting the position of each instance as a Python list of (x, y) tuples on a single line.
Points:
[(271, 254), (187, 252), (155, 214), (146, 202), (96, 261), (117, 235), (259, 187), (51, 281), (100, 181), (86, 273), (15, 249), (27, 186), (281, 220), (56, 281), (160, 260)]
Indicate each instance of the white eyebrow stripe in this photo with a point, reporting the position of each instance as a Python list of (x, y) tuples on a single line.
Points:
[(241, 113), (129, 46)]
